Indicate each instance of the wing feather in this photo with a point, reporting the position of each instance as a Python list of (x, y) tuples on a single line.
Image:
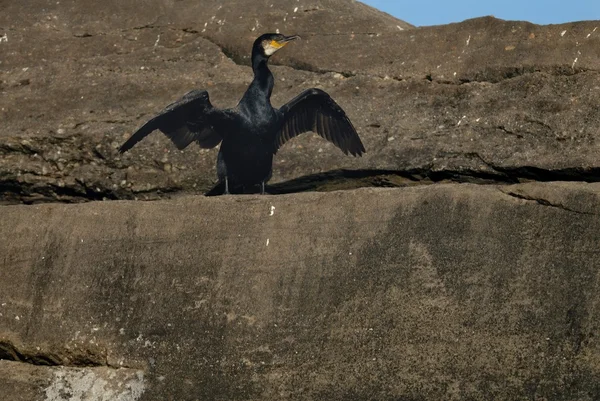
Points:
[(314, 110), (191, 118)]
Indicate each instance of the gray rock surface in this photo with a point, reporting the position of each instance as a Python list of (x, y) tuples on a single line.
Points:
[(454, 292), (475, 278), (26, 382)]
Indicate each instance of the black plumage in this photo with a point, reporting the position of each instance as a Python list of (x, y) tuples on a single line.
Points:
[(252, 132)]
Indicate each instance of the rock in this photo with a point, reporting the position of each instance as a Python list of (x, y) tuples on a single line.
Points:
[(458, 105), (438, 292), (60, 383), (473, 277)]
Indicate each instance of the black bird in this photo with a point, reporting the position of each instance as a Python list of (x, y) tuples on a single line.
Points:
[(253, 131)]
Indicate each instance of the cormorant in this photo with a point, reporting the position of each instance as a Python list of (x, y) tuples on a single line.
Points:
[(252, 132)]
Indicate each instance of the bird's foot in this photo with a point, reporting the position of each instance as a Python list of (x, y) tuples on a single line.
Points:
[(226, 192)]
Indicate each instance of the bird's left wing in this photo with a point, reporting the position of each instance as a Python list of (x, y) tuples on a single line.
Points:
[(189, 119), (314, 110)]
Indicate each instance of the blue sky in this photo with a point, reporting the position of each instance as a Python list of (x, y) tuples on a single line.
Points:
[(435, 12)]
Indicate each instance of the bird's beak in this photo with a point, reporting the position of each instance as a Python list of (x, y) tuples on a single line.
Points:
[(286, 40), (290, 38)]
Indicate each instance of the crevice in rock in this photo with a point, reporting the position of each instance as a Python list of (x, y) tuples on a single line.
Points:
[(149, 25), (353, 179), (12, 191), (531, 173), (509, 132), (74, 169), (47, 190), (545, 202), (65, 358)]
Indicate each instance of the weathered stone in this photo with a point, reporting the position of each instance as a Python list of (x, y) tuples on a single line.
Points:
[(441, 292), (426, 292), (23, 382), (485, 99)]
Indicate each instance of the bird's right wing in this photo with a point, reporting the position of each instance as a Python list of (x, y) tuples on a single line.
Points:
[(314, 110), (189, 119)]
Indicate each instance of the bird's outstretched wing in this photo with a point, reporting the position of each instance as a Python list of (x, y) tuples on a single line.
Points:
[(314, 110), (188, 119)]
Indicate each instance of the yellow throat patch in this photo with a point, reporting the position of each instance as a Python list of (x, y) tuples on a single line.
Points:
[(277, 44)]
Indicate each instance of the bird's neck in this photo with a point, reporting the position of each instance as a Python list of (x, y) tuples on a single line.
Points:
[(263, 78)]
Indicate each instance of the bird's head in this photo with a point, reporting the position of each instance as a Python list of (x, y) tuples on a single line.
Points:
[(269, 43)]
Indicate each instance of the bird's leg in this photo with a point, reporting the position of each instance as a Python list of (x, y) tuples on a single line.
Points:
[(226, 187), (262, 188)]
